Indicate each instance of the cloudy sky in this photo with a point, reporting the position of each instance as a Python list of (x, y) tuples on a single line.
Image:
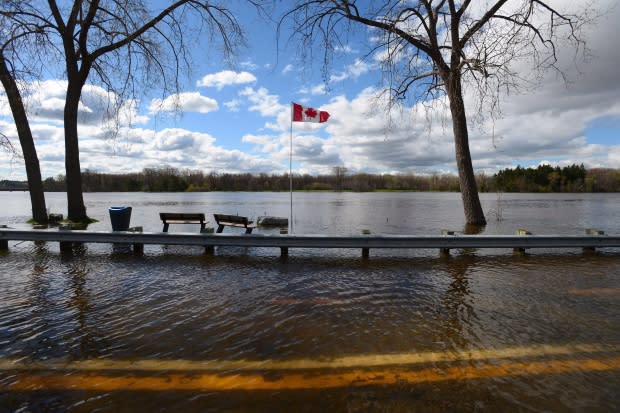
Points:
[(237, 118)]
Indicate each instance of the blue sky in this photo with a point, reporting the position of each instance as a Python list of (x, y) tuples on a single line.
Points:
[(236, 118)]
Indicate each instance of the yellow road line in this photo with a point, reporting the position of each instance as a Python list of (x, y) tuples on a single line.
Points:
[(594, 291), (298, 381), (360, 361)]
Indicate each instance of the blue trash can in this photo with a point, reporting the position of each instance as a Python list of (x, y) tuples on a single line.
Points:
[(120, 217)]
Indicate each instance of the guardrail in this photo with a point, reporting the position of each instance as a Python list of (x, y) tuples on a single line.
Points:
[(448, 240)]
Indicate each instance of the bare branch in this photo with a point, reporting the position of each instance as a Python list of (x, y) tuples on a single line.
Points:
[(490, 13), (6, 145)]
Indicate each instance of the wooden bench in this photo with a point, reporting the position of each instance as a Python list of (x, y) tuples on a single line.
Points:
[(233, 221), (182, 218)]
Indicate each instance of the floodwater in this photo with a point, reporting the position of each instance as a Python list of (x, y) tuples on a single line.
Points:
[(244, 330)]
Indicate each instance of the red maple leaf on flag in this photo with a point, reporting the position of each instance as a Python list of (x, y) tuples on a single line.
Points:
[(310, 112)]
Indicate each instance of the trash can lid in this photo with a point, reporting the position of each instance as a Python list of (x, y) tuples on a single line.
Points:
[(119, 207)]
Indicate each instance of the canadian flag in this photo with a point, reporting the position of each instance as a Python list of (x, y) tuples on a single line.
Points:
[(307, 114)]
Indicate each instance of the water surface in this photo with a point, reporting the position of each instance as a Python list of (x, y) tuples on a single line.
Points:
[(322, 330)]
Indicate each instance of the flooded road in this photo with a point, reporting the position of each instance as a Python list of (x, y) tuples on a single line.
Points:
[(245, 330)]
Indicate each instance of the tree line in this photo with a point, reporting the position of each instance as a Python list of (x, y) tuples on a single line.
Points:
[(544, 178)]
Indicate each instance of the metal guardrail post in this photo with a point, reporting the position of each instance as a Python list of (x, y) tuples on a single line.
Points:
[(4, 243), (594, 232), (365, 250), (283, 250), (209, 249), (138, 249), (522, 232), (65, 247), (444, 252)]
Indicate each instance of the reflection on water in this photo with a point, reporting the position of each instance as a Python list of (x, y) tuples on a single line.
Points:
[(83, 334), (93, 329), (466, 332), (457, 302)]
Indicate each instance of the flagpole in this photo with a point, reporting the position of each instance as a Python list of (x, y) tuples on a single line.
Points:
[(300, 114), (290, 171)]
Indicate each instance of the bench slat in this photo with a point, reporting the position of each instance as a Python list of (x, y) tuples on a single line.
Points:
[(182, 218)]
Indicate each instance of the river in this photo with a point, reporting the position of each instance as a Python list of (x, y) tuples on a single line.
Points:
[(320, 330)]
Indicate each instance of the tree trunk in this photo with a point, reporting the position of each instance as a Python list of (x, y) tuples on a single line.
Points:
[(469, 190), (31, 160), (76, 211)]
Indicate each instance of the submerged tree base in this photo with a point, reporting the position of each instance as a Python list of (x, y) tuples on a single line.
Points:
[(81, 224)]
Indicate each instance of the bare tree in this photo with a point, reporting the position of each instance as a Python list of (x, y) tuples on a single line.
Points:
[(433, 48), (125, 47), (17, 40)]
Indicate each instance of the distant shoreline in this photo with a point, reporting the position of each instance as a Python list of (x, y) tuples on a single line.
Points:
[(542, 179)]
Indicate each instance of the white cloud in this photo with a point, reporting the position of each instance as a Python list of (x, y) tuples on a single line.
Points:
[(257, 139), (180, 139), (176, 147), (186, 102), (614, 157), (268, 105), (313, 151), (233, 105), (5, 109), (45, 102), (248, 64), (354, 70), (288, 68), (226, 78), (368, 138), (129, 114), (314, 90), (266, 143), (262, 101)]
